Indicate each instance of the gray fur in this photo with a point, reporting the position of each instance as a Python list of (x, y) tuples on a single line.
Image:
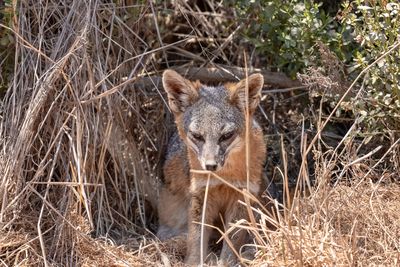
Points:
[(212, 111), (211, 116), (175, 146)]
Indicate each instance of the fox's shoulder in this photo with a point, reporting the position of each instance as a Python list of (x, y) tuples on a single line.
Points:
[(176, 165), (175, 145), (177, 152)]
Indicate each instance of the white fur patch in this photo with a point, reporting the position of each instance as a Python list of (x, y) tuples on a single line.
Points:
[(234, 145), (192, 146)]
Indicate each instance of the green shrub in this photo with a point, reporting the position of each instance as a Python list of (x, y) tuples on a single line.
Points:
[(289, 35), (7, 44), (285, 32), (377, 28)]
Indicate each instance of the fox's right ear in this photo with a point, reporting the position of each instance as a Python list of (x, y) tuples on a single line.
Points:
[(181, 92), (254, 83)]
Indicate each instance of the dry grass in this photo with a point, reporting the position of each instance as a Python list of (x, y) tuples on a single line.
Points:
[(84, 127)]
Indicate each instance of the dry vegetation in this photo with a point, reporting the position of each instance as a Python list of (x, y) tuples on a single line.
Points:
[(85, 123)]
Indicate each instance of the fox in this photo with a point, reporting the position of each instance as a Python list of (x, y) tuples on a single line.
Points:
[(210, 136)]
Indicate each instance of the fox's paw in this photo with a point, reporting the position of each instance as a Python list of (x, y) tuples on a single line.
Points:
[(164, 232)]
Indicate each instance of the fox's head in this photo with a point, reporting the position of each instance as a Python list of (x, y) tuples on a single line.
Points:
[(211, 120)]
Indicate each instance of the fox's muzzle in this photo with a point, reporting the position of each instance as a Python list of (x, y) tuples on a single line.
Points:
[(211, 157)]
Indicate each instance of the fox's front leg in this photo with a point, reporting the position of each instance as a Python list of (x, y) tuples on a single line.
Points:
[(172, 214), (237, 237), (193, 254)]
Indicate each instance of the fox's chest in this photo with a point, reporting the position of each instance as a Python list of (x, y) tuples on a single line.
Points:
[(201, 183)]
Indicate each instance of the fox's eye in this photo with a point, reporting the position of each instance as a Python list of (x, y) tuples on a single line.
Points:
[(226, 136), (197, 137)]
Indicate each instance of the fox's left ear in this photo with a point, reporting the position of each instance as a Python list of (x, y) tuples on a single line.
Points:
[(255, 83)]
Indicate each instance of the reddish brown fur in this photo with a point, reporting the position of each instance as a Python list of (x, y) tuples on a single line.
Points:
[(223, 200)]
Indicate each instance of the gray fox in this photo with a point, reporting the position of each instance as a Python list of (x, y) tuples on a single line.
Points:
[(211, 129)]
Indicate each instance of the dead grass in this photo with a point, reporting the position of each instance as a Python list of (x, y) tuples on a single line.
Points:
[(84, 126), (338, 226)]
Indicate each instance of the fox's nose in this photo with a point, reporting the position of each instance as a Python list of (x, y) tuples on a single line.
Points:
[(211, 167)]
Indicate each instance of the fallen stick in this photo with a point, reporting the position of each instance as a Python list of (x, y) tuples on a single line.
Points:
[(222, 74)]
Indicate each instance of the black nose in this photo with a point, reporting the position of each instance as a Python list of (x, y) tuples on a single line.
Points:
[(212, 167)]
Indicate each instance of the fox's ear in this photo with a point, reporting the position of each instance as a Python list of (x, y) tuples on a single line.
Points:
[(238, 92), (181, 92)]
